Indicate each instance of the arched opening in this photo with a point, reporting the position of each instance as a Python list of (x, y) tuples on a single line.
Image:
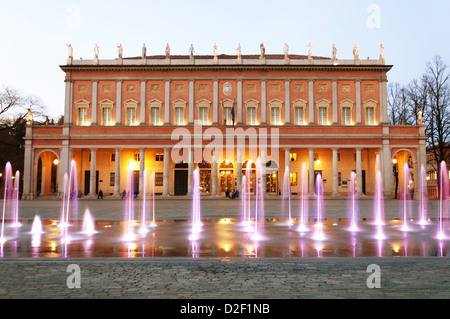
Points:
[(249, 170), (226, 173), (272, 178), (205, 177), (403, 171), (46, 164), (181, 178)]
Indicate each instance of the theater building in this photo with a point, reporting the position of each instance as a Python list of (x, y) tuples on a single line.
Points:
[(127, 115)]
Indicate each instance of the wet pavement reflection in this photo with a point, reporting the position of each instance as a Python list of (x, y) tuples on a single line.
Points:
[(226, 238)]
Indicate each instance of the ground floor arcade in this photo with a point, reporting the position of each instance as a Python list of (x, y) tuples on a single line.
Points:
[(113, 167)]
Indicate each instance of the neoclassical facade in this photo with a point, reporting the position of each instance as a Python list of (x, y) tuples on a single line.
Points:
[(127, 115)]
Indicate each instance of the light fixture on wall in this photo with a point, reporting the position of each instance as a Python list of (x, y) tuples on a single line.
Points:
[(56, 161)]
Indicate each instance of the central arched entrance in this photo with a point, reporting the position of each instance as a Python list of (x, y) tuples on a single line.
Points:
[(47, 163), (271, 178), (205, 177), (403, 171), (249, 170), (226, 173)]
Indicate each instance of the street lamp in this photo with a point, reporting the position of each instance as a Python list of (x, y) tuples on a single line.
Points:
[(395, 172)]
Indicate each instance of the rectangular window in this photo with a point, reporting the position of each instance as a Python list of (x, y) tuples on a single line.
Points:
[(293, 157), (179, 116), (298, 116), (107, 116), (137, 157), (370, 120), (131, 115), (154, 115), (251, 115), (346, 118), (112, 178), (203, 115), (293, 178), (275, 116), (113, 157), (339, 179), (227, 118), (323, 116), (82, 116), (159, 179), (159, 157)]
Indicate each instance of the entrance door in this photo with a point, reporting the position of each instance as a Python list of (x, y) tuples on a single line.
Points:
[(136, 182), (87, 182), (271, 183), (226, 181), (181, 182)]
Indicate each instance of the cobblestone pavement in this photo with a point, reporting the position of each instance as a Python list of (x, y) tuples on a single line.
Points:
[(205, 278), (226, 278)]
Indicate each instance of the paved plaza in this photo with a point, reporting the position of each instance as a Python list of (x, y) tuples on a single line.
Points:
[(222, 278)]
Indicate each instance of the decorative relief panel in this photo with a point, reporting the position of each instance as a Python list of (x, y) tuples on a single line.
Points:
[(155, 87), (275, 87), (322, 88), (299, 87), (251, 87), (179, 87), (131, 87)]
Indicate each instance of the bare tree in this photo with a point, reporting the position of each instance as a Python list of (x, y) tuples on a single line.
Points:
[(437, 114), (398, 105)]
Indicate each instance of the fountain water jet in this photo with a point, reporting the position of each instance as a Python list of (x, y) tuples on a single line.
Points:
[(352, 205), (69, 197), (88, 223), (143, 228), (406, 197), (379, 207), (15, 203), (152, 185), (196, 211), (286, 194), (303, 200), (6, 199), (129, 207), (318, 232), (423, 197), (36, 227), (443, 200), (258, 229)]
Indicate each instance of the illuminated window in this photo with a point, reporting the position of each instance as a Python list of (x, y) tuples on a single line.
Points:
[(298, 116), (112, 178), (159, 179), (82, 115), (203, 115), (293, 157), (106, 115), (293, 178), (227, 118), (154, 116), (179, 115), (275, 115), (323, 116), (159, 157), (251, 115), (346, 116), (131, 115), (370, 118), (137, 157)]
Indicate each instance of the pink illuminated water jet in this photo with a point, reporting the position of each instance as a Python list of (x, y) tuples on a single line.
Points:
[(129, 207), (318, 232), (406, 197), (36, 227), (304, 207), (423, 197), (196, 222), (258, 222), (379, 207), (352, 205), (443, 201), (88, 227)]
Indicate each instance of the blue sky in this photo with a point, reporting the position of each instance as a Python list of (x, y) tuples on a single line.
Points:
[(34, 33)]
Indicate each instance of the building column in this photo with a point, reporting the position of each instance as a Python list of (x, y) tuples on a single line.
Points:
[(287, 104), (167, 102), (263, 102), (359, 171), (335, 173), (358, 102), (141, 170), (68, 102), (63, 167), (191, 103), (239, 169), (94, 102), (311, 172), (117, 173), (93, 173), (166, 172), (387, 169), (190, 170), (28, 171), (214, 178), (215, 101), (119, 103), (287, 164), (143, 106), (335, 102), (239, 101), (311, 101), (383, 101)]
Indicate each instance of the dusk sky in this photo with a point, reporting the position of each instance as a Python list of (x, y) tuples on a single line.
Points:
[(35, 33)]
